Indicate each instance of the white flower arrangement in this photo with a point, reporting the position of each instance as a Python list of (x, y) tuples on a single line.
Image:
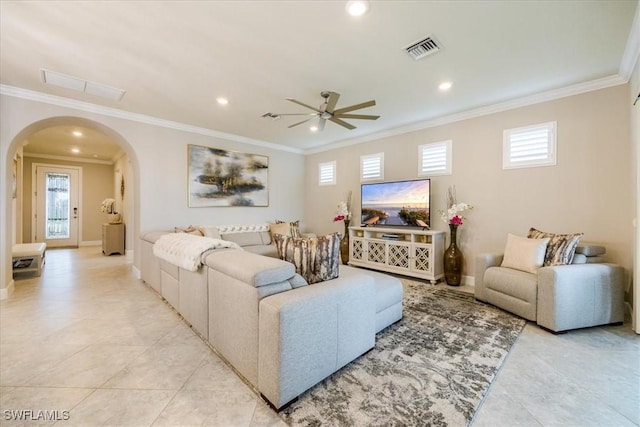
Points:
[(108, 206), (452, 214)]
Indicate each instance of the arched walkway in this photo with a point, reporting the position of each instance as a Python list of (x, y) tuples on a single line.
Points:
[(132, 184)]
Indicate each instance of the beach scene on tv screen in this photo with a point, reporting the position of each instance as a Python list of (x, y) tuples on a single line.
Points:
[(396, 203)]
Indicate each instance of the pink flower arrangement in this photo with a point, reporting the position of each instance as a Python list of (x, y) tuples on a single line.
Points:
[(456, 220), (344, 210)]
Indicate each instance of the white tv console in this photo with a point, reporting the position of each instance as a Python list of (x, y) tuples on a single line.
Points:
[(411, 252)]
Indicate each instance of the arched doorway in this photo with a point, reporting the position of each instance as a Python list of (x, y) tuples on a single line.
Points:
[(125, 185)]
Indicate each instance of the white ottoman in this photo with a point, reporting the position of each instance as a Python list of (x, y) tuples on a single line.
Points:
[(28, 257)]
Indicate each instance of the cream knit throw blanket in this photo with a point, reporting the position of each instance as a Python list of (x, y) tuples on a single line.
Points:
[(185, 250)]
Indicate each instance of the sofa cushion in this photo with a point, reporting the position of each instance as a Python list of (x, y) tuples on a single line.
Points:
[(265, 250), (514, 283), (244, 239), (524, 254), (256, 270), (315, 259), (589, 250), (211, 231), (561, 247), (153, 236)]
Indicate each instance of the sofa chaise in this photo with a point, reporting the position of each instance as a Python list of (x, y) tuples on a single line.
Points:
[(281, 334)]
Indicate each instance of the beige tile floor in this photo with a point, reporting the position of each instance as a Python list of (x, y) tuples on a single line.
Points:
[(89, 338)]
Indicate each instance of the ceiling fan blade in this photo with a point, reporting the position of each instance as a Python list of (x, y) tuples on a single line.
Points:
[(303, 104), (332, 101), (299, 123), (357, 116), (296, 114), (321, 124), (355, 107), (342, 123)]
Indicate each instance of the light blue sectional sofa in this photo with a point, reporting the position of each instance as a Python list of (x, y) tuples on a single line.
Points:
[(281, 334)]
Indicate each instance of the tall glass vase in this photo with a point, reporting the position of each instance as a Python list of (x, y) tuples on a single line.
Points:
[(344, 244), (453, 260)]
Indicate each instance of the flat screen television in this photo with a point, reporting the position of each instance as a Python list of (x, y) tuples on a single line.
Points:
[(398, 203)]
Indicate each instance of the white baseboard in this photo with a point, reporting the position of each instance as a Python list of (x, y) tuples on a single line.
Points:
[(136, 272), (90, 243), (5, 292)]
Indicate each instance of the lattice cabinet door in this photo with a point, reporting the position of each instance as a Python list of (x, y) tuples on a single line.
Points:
[(376, 252), (357, 249), (399, 255), (422, 258)]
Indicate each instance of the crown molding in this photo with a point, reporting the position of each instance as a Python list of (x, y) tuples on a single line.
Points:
[(537, 98), (60, 101), (632, 50)]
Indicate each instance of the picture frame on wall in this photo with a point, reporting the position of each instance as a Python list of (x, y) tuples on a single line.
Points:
[(218, 177)]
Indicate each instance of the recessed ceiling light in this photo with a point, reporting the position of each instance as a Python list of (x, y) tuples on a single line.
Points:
[(76, 133), (357, 7), (222, 101), (445, 85), (314, 128), (75, 150)]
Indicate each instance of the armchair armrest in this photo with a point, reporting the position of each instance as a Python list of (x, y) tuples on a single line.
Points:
[(580, 295), (484, 261)]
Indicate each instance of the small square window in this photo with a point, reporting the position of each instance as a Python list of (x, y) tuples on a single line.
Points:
[(327, 173), (529, 146), (435, 158), (372, 167)]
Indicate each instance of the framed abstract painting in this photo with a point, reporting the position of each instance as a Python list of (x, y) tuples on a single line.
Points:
[(226, 178)]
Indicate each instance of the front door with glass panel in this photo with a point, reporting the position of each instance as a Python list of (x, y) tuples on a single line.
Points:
[(57, 211)]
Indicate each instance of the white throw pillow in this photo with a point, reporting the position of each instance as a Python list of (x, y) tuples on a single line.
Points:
[(524, 254)]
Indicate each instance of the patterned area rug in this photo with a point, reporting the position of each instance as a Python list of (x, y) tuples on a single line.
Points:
[(432, 368)]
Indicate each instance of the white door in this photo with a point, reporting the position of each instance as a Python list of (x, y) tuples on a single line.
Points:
[(56, 204)]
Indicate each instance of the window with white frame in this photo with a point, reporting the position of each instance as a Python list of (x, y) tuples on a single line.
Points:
[(435, 158), (372, 167), (529, 146), (327, 173)]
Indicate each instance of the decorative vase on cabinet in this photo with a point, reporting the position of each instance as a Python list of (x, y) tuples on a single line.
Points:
[(453, 260), (344, 244)]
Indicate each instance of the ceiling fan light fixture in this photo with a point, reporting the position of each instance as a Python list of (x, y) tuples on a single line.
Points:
[(313, 128), (357, 7)]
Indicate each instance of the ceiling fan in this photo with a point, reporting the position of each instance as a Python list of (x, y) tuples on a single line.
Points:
[(327, 111)]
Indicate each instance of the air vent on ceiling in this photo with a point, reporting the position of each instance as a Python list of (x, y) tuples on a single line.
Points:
[(423, 48), (81, 85)]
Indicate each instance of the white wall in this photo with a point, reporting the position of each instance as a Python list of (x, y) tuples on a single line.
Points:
[(158, 156), (588, 191), (634, 90)]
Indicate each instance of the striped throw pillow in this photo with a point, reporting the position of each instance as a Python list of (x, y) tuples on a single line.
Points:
[(561, 247), (316, 259)]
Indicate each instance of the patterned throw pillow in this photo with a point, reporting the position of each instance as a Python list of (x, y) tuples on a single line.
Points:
[(294, 227), (192, 229), (561, 247), (316, 259)]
